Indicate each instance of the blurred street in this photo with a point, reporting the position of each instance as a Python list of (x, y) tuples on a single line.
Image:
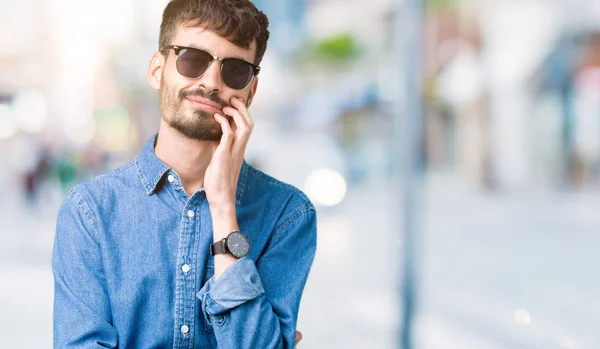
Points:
[(484, 258), (496, 103)]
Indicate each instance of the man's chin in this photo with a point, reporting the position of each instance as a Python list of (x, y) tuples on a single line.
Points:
[(210, 137), (198, 132), (204, 135)]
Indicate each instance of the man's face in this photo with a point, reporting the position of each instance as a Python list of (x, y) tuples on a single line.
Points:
[(188, 105)]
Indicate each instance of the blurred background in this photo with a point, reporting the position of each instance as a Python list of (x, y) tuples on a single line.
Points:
[(507, 197)]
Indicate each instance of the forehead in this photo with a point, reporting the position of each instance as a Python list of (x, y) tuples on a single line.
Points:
[(211, 42)]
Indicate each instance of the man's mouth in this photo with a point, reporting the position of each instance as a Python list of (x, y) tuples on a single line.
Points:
[(204, 103)]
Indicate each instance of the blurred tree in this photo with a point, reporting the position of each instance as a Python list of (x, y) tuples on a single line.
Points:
[(338, 47), (444, 4)]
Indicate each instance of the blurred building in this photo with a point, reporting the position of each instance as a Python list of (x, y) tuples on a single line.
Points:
[(511, 107)]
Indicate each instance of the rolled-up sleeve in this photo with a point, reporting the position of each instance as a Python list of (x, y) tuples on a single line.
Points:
[(255, 304), (237, 285)]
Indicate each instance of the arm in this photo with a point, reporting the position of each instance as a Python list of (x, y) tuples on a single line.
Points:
[(82, 315), (248, 304), (255, 305)]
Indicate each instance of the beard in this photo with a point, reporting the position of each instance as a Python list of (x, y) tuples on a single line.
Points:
[(194, 124)]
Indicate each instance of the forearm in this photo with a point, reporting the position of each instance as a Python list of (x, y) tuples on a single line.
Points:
[(240, 313), (224, 222), (236, 305), (252, 325)]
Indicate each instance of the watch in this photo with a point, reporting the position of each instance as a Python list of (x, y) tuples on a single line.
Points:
[(236, 244)]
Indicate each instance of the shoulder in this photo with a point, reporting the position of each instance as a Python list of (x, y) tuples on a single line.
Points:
[(281, 203), (260, 184), (97, 189)]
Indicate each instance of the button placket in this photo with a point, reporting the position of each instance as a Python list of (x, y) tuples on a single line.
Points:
[(185, 329), (190, 221)]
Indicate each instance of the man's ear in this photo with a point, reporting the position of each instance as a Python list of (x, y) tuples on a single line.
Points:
[(155, 69), (252, 92)]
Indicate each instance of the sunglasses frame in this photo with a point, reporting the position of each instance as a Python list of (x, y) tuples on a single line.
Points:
[(178, 49)]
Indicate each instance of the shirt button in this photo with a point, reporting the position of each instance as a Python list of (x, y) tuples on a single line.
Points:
[(185, 329), (170, 178), (191, 214), (185, 268)]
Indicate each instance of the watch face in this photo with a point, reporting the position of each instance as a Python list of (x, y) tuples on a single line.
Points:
[(238, 245)]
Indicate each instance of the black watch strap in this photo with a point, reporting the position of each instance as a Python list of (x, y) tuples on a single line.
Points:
[(219, 247)]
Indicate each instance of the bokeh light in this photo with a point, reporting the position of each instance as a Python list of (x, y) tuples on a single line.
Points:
[(326, 187), (31, 111), (522, 317), (8, 123)]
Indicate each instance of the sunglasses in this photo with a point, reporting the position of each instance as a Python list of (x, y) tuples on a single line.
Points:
[(193, 63)]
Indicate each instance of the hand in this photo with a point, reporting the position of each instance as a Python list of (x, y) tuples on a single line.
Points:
[(298, 338), (220, 180)]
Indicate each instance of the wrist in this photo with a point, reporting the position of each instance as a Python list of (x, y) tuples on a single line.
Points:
[(222, 211), (222, 262), (223, 224)]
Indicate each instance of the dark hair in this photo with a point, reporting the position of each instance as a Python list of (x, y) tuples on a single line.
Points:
[(239, 21)]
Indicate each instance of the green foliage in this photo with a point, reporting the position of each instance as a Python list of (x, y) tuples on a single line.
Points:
[(339, 47), (443, 4)]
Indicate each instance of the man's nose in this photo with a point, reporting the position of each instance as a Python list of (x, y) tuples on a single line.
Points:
[(211, 79)]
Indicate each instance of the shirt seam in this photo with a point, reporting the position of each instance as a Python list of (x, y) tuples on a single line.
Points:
[(114, 172), (242, 182), (87, 212), (293, 217)]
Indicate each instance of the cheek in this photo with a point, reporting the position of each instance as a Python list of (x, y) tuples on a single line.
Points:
[(174, 83), (166, 92), (243, 94)]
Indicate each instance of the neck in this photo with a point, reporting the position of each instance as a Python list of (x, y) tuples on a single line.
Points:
[(188, 157)]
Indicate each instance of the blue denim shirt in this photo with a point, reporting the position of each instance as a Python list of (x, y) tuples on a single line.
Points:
[(132, 266)]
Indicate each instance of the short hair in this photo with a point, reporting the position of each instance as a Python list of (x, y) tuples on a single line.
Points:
[(239, 21)]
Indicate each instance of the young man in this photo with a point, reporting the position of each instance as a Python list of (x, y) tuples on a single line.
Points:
[(188, 246)]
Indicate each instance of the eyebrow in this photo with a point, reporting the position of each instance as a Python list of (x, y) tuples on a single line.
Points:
[(204, 49)]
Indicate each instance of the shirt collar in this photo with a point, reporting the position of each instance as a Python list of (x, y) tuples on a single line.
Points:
[(151, 170)]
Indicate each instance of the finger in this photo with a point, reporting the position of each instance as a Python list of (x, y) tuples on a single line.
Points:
[(298, 337), (243, 131), (232, 123), (227, 138), (239, 104), (240, 124)]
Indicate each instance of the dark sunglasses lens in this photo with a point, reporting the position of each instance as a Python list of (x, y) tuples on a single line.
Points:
[(192, 63), (237, 74)]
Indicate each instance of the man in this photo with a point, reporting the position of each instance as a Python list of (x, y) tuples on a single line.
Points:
[(188, 246)]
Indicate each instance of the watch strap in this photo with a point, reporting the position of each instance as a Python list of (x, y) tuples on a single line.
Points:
[(219, 247)]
